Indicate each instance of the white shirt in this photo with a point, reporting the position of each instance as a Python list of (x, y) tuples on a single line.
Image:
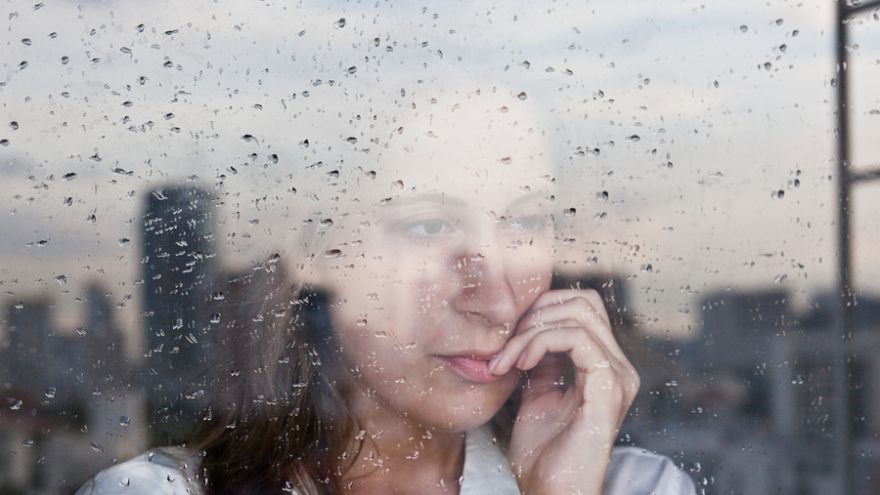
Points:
[(171, 471)]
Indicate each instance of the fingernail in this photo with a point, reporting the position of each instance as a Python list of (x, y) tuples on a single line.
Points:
[(494, 362)]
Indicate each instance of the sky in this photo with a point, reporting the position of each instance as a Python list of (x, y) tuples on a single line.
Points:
[(729, 185)]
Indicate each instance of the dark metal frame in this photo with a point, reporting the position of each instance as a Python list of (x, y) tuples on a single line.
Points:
[(842, 452)]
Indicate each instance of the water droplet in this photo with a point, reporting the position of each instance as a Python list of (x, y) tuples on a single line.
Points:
[(65, 59), (69, 176), (635, 138), (779, 21), (124, 421), (125, 481), (398, 184), (96, 447), (50, 392), (123, 241), (768, 65), (522, 95), (506, 160), (743, 28), (351, 139), (248, 137), (780, 194), (795, 33), (341, 22), (648, 268), (352, 69), (333, 174), (61, 279), (26, 41), (602, 195), (779, 278), (13, 125), (332, 253), (570, 212), (28, 443), (16, 404), (783, 47), (22, 65), (4, 142)]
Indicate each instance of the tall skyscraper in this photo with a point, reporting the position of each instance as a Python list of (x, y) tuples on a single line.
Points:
[(28, 334), (178, 271)]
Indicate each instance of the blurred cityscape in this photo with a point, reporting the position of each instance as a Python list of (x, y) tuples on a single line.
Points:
[(744, 407)]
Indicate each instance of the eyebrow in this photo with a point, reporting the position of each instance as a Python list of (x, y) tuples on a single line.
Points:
[(459, 203)]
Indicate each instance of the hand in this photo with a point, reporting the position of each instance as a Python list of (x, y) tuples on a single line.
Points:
[(565, 429)]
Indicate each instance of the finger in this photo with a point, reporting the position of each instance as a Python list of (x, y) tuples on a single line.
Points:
[(557, 297), (587, 353), (589, 357), (583, 311), (505, 360)]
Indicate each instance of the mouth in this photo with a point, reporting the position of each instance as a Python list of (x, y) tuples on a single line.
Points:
[(470, 367)]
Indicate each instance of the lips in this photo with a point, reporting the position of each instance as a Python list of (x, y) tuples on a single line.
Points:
[(472, 369)]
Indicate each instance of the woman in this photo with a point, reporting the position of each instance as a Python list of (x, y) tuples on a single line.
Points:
[(421, 350)]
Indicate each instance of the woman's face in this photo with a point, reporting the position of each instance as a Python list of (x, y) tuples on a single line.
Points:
[(433, 258)]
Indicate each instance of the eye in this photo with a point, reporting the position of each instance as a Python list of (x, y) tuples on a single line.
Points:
[(429, 227), (527, 223)]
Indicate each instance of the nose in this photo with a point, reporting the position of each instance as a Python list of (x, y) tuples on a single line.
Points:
[(486, 293)]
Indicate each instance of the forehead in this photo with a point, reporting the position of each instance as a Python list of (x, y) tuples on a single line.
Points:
[(486, 151)]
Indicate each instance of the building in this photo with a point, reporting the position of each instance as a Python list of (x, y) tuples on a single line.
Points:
[(178, 271)]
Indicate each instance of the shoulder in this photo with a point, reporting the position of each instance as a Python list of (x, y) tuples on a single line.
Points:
[(635, 470), (159, 471)]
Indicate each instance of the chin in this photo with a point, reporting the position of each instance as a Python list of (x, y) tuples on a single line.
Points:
[(465, 411)]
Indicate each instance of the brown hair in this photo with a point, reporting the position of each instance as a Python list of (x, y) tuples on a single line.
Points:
[(279, 420)]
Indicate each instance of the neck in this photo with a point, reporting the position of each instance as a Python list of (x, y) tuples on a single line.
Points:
[(401, 456)]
